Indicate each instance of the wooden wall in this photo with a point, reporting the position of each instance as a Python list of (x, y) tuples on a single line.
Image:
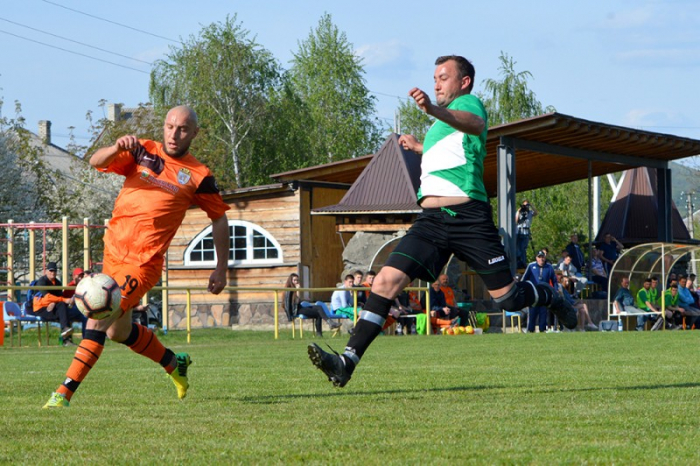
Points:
[(278, 213), (322, 247), (305, 239)]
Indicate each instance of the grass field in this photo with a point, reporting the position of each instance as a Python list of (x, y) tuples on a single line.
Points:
[(626, 398)]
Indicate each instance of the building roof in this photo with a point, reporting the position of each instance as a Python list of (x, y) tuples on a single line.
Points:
[(555, 148), (343, 171), (550, 149), (388, 184), (633, 216), (55, 157)]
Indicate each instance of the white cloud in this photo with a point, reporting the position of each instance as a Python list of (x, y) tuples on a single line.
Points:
[(382, 54), (661, 57)]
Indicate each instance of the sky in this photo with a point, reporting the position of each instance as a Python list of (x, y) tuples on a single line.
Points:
[(629, 63)]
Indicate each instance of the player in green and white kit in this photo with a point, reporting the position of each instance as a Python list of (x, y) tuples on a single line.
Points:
[(456, 218)]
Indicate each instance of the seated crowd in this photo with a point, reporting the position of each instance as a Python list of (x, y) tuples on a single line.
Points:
[(567, 277), (680, 299)]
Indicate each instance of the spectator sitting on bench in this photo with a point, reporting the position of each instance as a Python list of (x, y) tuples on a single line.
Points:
[(576, 279), (645, 298), (585, 323), (439, 308), (671, 298), (369, 279), (50, 305), (358, 276), (447, 290), (687, 303), (342, 300), (693, 290), (599, 275), (624, 302), (293, 306)]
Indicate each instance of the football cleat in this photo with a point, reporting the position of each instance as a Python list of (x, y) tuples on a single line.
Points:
[(57, 401), (179, 375), (333, 365)]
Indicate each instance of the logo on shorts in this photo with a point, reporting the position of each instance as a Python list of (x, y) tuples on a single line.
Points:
[(183, 176), (496, 259)]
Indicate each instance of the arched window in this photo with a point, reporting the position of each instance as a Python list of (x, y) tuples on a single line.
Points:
[(249, 244)]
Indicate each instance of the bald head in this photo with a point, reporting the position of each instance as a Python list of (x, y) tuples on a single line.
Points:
[(185, 112), (179, 129)]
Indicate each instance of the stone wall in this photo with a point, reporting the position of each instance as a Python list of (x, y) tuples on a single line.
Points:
[(362, 247)]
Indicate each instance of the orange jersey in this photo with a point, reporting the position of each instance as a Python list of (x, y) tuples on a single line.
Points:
[(449, 296), (152, 203)]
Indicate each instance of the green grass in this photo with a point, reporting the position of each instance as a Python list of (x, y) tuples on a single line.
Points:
[(625, 398)]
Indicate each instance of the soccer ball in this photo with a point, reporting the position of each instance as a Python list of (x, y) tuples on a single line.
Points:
[(98, 296)]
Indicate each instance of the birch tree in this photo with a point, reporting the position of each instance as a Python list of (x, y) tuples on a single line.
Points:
[(227, 77)]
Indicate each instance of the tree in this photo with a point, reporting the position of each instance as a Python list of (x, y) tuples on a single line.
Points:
[(228, 79), (328, 77), (563, 209), (18, 199), (413, 120), (510, 99), (29, 193)]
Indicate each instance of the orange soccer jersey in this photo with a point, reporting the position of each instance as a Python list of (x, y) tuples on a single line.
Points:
[(152, 203), (449, 296)]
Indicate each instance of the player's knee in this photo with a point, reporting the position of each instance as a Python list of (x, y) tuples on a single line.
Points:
[(389, 282), (120, 330)]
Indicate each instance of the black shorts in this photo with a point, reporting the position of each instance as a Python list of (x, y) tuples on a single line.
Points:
[(465, 230)]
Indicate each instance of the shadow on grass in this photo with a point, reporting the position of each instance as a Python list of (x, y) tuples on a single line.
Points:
[(268, 399), (274, 399)]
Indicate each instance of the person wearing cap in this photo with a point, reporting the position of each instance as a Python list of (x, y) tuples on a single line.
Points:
[(74, 313), (537, 273), (50, 305)]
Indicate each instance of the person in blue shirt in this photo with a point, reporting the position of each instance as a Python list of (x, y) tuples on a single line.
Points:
[(687, 303), (342, 301), (576, 254), (539, 272), (611, 248)]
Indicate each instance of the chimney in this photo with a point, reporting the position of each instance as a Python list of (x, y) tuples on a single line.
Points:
[(114, 112), (45, 131)]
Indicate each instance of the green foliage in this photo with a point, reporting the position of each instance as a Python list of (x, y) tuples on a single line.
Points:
[(228, 79), (510, 99), (562, 211), (328, 77), (503, 399), (413, 120)]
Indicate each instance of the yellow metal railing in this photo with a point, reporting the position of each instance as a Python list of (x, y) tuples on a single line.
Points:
[(274, 290)]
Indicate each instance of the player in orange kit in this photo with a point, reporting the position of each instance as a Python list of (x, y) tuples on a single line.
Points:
[(162, 180)]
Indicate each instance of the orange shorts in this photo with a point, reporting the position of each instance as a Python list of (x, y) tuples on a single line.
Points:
[(134, 280)]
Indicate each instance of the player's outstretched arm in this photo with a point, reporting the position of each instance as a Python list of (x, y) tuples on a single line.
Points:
[(409, 142), (219, 230), (104, 156), (460, 120)]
